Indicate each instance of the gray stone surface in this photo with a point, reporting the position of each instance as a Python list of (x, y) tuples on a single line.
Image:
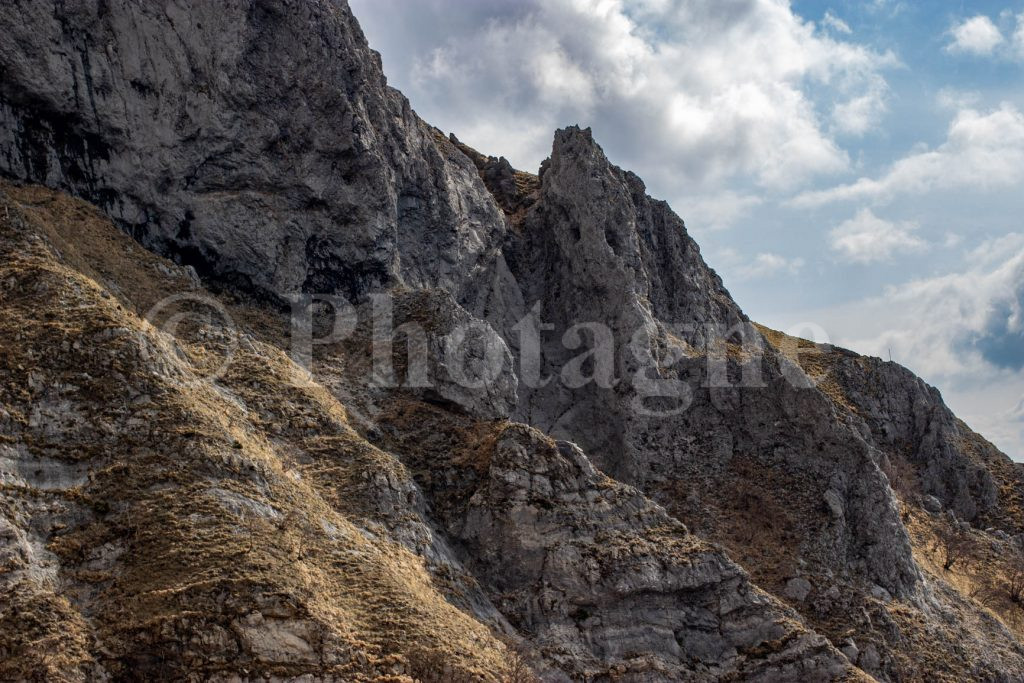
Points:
[(256, 141), (908, 420), (797, 588), (602, 581), (611, 254)]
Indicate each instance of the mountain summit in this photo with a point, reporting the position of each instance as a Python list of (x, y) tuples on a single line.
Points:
[(296, 387)]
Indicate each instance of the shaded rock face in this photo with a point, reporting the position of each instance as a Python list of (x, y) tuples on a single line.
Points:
[(614, 256), (908, 420), (603, 580), (421, 344), (254, 140)]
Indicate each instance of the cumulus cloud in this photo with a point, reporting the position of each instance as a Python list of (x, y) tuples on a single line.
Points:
[(767, 264), (1018, 37), (835, 23), (998, 334), (977, 35), (858, 115), (961, 331), (955, 99), (982, 151), (952, 240), (694, 92), (762, 265), (866, 238), (965, 325), (717, 211)]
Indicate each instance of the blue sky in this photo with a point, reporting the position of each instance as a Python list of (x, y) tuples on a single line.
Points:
[(851, 169)]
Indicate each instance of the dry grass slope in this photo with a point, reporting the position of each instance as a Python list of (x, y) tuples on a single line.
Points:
[(197, 529)]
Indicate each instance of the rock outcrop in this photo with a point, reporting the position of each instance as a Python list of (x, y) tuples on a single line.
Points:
[(257, 141), (694, 408), (930, 453), (572, 557), (158, 524)]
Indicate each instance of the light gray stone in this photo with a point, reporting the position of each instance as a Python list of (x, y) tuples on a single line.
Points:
[(870, 660), (834, 503), (798, 588)]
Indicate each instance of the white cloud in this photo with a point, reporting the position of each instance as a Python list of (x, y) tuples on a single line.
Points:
[(977, 36), (981, 151), (768, 264), (952, 98), (835, 23), (952, 240), (967, 325), (695, 92), (1018, 37), (962, 331), (866, 238), (858, 115), (716, 211), (738, 267)]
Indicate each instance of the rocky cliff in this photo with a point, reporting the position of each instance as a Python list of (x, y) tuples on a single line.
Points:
[(256, 141), (620, 478)]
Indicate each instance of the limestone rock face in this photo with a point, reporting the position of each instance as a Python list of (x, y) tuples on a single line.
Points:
[(909, 421), (156, 524), (238, 525), (425, 345), (614, 256), (931, 457), (257, 141), (602, 580)]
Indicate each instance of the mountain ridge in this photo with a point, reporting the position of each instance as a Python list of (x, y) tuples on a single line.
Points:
[(731, 503)]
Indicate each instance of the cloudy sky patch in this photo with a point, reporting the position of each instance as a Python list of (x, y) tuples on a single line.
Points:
[(866, 238), (977, 35)]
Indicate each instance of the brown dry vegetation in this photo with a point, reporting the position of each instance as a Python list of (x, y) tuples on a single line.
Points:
[(974, 572), (216, 514), (217, 517), (815, 359), (986, 571)]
